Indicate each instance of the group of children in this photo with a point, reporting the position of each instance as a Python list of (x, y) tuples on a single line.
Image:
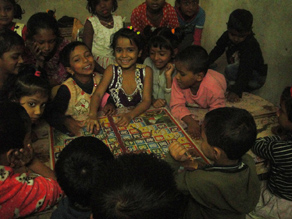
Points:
[(106, 73)]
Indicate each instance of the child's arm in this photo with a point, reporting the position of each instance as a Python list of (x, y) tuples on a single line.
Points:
[(219, 49), (146, 100), (265, 147), (194, 129), (88, 34), (92, 121)]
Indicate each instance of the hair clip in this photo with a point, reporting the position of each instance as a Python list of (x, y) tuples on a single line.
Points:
[(173, 31), (135, 30), (37, 73)]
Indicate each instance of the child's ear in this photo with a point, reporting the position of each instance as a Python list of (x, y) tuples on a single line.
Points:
[(69, 70), (140, 53), (200, 76)]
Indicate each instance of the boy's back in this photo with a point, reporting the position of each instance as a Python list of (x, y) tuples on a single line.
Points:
[(220, 192)]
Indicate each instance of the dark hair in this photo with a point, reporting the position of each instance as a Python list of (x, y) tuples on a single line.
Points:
[(18, 12), (76, 166), (137, 186), (179, 1), (30, 81), (163, 37), (39, 21), (240, 20), (66, 52), (231, 129), (14, 125), (91, 5), (133, 36), (287, 98), (195, 58), (9, 39)]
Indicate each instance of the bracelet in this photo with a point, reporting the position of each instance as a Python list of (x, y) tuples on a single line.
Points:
[(167, 90)]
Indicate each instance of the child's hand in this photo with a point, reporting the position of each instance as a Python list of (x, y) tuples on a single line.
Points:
[(73, 126), (109, 109), (179, 152), (124, 119), (232, 97), (194, 130), (92, 125), (169, 69), (35, 50), (159, 103), (21, 157)]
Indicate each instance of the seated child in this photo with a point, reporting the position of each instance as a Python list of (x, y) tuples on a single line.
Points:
[(229, 188), (155, 14), (162, 50), (70, 107), (76, 170), (137, 186), (129, 83), (22, 194), (193, 84), (246, 70), (276, 194), (10, 10), (191, 18), (98, 29), (31, 90), (11, 49)]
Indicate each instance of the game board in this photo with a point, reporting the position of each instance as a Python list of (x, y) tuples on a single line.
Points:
[(152, 132)]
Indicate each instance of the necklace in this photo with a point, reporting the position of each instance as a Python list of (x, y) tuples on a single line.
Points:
[(108, 24)]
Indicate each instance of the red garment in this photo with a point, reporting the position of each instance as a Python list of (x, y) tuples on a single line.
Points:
[(21, 195), (139, 18), (197, 36)]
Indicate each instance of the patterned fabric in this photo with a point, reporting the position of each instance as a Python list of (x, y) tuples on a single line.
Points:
[(279, 153), (117, 92), (139, 18), (101, 50), (20, 29), (79, 102), (21, 194), (55, 70)]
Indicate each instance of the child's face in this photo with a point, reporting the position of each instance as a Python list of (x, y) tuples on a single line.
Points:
[(11, 61), (104, 8), (81, 61), (46, 41), (155, 5), (283, 117), (237, 37), (206, 148), (188, 7), (160, 57), (34, 105), (126, 53), (185, 78), (6, 13)]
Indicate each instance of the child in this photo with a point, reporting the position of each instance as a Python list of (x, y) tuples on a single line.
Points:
[(276, 195), (229, 188), (31, 90), (11, 49), (137, 186), (77, 168), (44, 45), (246, 70), (98, 30), (70, 107), (10, 10), (195, 84), (156, 13), (22, 194), (129, 84), (191, 18), (162, 49)]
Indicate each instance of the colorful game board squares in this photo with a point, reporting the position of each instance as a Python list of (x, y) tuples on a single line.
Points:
[(153, 145), (146, 134), (149, 140), (137, 136), (140, 142), (159, 138), (124, 132), (173, 129), (161, 126)]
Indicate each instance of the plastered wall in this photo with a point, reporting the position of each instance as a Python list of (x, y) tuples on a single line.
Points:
[(272, 26)]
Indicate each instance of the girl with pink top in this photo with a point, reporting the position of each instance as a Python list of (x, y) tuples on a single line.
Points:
[(193, 84)]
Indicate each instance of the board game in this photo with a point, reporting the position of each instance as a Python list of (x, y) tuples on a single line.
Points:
[(152, 132)]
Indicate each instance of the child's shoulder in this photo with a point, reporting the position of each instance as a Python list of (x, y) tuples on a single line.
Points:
[(139, 66)]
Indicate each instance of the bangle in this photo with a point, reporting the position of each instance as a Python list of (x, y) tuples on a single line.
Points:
[(167, 90)]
